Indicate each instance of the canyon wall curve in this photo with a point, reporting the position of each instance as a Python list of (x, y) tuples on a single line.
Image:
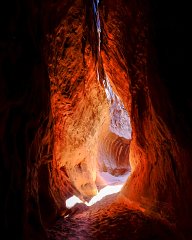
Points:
[(54, 110)]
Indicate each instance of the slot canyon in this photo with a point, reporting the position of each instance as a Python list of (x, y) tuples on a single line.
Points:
[(95, 94)]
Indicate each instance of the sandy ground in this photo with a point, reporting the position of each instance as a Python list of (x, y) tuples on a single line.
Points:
[(109, 219)]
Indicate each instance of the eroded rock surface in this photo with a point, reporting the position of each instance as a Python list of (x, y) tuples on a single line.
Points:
[(83, 107), (57, 42), (111, 219)]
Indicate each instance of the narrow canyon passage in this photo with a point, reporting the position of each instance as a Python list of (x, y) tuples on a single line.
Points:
[(95, 98), (92, 129), (92, 90)]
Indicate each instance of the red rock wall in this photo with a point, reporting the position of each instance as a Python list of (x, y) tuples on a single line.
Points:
[(81, 111), (113, 153), (54, 36), (78, 102), (157, 154)]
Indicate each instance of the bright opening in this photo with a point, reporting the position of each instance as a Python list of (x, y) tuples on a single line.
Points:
[(108, 190), (114, 185)]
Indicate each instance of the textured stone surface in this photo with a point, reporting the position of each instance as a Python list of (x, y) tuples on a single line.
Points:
[(110, 219), (155, 155), (113, 152), (59, 40), (81, 111)]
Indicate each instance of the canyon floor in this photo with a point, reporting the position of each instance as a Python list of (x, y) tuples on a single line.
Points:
[(110, 219)]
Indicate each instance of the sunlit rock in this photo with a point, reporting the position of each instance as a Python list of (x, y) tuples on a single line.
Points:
[(58, 127)]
